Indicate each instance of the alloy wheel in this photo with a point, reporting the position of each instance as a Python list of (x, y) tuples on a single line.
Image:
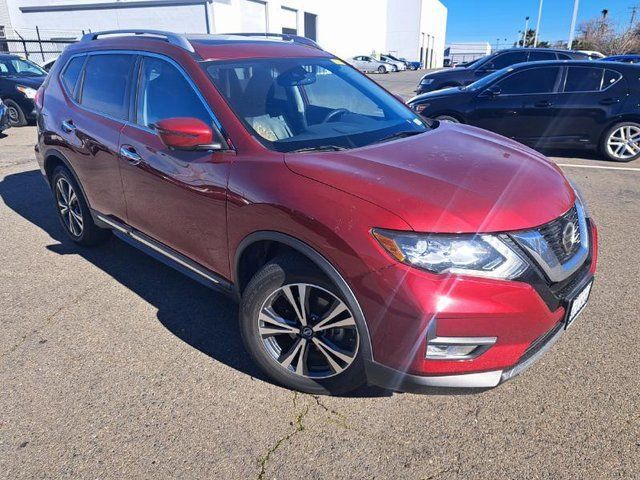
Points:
[(308, 330), (14, 116), (69, 207), (624, 142)]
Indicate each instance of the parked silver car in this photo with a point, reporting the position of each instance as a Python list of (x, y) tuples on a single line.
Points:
[(397, 64), (366, 63)]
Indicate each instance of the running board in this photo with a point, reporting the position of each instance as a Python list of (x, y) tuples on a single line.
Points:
[(163, 253)]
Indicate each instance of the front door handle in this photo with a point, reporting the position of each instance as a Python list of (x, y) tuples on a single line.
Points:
[(609, 101), (130, 155), (543, 104), (68, 126)]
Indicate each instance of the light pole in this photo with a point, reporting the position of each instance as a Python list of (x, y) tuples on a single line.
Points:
[(535, 40), (573, 23), (524, 36), (422, 51)]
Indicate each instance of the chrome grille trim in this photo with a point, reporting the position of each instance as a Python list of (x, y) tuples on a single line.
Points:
[(544, 245)]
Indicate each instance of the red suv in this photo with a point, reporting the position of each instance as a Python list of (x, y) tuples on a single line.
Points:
[(363, 242)]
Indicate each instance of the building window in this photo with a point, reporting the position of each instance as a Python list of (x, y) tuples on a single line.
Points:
[(311, 26), (289, 21)]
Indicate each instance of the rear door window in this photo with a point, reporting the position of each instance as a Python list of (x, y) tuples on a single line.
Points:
[(541, 56), (584, 79), (71, 74), (106, 84), (530, 81)]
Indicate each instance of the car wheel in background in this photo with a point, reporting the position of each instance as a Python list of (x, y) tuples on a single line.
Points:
[(382, 69), (621, 143), (15, 114), (447, 118), (299, 330), (73, 210)]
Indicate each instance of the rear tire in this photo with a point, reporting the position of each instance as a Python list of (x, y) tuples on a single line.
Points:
[(382, 69), (290, 350), (621, 142), (73, 211), (17, 117)]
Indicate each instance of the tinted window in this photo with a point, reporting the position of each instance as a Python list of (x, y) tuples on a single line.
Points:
[(160, 83), (106, 79), (72, 73), (541, 56), (23, 68), (583, 79), (610, 77), (532, 80), (564, 56), (507, 59)]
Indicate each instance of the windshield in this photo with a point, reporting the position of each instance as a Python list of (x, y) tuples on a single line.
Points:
[(484, 82), (22, 68), (293, 104)]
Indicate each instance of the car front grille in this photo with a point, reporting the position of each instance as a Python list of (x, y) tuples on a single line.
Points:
[(553, 232)]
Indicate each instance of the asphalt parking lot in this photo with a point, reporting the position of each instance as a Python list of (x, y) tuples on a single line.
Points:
[(115, 366)]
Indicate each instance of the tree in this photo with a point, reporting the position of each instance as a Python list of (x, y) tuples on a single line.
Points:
[(531, 36), (602, 34)]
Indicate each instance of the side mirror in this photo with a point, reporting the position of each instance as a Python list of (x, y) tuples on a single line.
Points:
[(492, 92), (186, 134)]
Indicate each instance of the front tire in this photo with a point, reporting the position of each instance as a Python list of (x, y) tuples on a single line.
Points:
[(73, 210), (447, 119), (17, 117), (621, 142), (299, 330)]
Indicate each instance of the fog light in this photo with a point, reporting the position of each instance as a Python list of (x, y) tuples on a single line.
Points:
[(450, 351)]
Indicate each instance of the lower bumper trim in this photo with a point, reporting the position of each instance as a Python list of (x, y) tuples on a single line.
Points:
[(389, 378)]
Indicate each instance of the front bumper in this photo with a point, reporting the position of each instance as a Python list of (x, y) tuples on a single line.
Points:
[(526, 318)]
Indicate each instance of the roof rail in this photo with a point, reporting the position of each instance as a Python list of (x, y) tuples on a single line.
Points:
[(172, 38), (284, 36)]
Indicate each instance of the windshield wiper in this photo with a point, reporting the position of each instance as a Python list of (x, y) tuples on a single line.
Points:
[(320, 148), (401, 134)]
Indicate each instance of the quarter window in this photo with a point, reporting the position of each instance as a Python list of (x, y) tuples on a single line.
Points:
[(531, 80), (583, 79), (165, 93), (106, 81), (610, 77), (72, 73)]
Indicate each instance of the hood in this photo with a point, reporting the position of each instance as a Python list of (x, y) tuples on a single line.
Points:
[(453, 179), (33, 82), (437, 94), (450, 73)]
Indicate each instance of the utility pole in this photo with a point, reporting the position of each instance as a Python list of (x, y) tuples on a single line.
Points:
[(526, 28), (633, 9), (535, 40), (572, 29)]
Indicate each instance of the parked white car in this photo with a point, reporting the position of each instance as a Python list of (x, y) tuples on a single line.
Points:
[(397, 64), (366, 63)]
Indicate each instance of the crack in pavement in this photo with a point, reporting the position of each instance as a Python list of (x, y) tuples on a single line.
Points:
[(299, 427), (342, 419), (47, 321)]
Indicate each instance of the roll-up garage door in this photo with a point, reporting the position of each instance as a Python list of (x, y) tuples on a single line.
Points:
[(254, 16)]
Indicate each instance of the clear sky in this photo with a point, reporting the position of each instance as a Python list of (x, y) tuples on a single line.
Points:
[(487, 20)]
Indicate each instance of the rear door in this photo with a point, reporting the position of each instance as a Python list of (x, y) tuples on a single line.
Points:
[(177, 197), (91, 122), (590, 97)]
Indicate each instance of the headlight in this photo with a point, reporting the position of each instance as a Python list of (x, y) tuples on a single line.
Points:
[(27, 91), (479, 255), (419, 107), (426, 81)]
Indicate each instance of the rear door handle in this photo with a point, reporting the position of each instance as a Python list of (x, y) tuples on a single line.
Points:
[(130, 155), (609, 101), (68, 126), (543, 104)]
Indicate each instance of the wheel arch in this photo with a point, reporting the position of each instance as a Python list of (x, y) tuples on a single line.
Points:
[(54, 158), (628, 117), (257, 248)]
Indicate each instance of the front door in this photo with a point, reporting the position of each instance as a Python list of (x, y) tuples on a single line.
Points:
[(177, 197)]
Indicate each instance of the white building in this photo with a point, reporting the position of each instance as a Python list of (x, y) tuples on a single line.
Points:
[(344, 27)]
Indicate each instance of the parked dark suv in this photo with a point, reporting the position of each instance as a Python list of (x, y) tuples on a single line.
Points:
[(361, 241), (19, 81), (550, 104), (461, 76)]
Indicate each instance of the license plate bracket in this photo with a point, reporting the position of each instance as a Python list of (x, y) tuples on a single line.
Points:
[(577, 303)]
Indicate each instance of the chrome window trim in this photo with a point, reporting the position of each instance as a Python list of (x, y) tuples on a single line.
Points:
[(537, 247), (604, 71)]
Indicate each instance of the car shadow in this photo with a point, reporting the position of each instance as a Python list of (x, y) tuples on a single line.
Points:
[(584, 154), (203, 318)]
